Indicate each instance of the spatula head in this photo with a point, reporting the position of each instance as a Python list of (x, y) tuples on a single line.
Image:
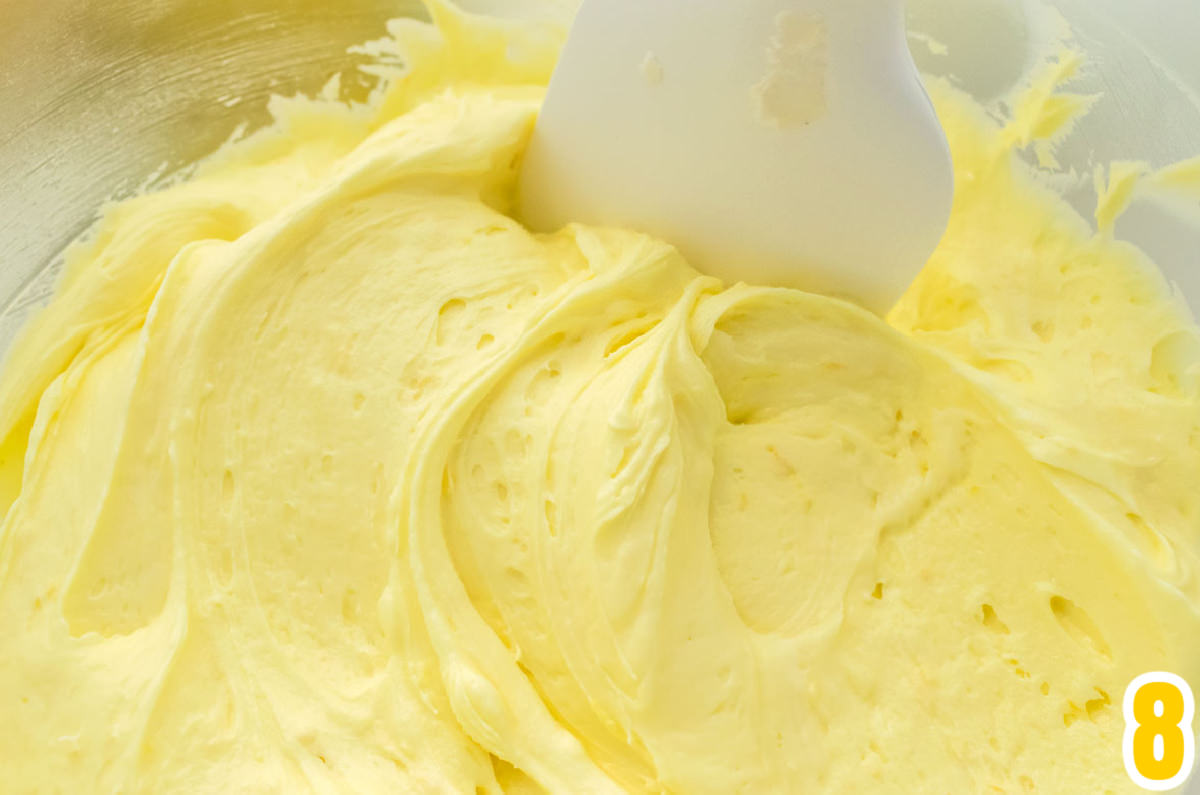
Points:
[(781, 142)]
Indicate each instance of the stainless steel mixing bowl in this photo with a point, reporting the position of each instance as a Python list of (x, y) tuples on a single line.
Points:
[(101, 98)]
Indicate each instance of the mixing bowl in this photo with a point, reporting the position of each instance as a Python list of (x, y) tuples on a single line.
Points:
[(100, 99)]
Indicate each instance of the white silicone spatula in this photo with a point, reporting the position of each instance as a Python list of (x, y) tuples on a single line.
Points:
[(781, 142)]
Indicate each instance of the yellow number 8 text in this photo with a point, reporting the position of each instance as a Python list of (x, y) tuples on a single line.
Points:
[(1159, 747)]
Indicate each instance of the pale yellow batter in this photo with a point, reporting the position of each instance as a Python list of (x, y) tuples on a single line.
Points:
[(322, 474)]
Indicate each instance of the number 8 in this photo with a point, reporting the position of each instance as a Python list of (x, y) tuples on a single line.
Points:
[(1158, 744)]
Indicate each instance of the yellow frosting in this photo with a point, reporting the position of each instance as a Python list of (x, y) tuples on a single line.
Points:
[(322, 474)]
